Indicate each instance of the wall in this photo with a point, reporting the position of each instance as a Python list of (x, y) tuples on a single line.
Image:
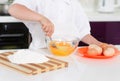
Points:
[(89, 5)]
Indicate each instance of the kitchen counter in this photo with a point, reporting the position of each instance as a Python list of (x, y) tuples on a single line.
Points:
[(103, 17), (79, 69), (4, 19), (93, 16)]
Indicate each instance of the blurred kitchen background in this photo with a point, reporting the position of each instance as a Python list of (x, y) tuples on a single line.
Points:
[(103, 15), (97, 5)]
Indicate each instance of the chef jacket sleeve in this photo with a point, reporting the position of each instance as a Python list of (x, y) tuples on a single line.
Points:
[(31, 4), (81, 22)]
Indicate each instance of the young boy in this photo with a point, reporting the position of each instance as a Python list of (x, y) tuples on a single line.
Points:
[(51, 18)]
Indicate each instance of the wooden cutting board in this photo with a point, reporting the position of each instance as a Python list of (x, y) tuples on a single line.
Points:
[(32, 69)]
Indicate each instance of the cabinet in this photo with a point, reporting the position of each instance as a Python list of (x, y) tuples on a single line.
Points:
[(108, 32)]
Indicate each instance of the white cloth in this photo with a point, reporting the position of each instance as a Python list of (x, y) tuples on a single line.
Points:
[(67, 16), (27, 56)]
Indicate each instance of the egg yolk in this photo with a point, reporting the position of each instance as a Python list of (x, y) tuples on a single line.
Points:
[(61, 49)]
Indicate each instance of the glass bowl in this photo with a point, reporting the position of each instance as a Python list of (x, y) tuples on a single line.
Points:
[(62, 46)]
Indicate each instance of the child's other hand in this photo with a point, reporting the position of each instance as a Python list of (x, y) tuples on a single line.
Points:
[(47, 26), (105, 45)]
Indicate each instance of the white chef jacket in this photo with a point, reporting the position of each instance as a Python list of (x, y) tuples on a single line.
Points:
[(67, 16)]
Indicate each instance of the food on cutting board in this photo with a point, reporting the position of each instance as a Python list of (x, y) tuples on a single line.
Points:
[(104, 50), (32, 68)]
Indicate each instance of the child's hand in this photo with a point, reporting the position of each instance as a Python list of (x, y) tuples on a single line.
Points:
[(105, 45), (47, 26)]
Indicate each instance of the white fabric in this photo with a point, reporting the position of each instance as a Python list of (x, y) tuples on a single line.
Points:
[(27, 56), (67, 16)]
